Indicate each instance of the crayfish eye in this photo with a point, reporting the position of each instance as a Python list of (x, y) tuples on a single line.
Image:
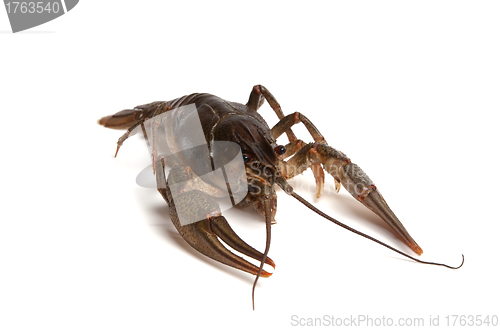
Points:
[(246, 158), (280, 150)]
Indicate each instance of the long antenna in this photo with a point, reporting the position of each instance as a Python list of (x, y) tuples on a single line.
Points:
[(326, 216)]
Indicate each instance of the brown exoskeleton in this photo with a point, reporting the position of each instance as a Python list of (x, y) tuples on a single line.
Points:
[(266, 164)]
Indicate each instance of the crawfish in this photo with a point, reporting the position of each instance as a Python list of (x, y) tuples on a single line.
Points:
[(266, 164)]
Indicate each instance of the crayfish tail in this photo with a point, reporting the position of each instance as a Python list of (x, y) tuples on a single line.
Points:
[(121, 120)]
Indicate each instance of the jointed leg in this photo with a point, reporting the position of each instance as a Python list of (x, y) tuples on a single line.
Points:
[(287, 122), (314, 155), (300, 162), (257, 96), (256, 100), (292, 148)]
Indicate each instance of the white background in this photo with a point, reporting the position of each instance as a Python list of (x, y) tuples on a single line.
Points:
[(408, 90)]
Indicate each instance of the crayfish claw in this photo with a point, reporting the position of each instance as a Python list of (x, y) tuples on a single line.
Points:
[(375, 202), (222, 229), (359, 185), (203, 236)]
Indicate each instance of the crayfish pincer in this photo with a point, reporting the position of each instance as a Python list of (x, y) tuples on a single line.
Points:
[(216, 148)]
